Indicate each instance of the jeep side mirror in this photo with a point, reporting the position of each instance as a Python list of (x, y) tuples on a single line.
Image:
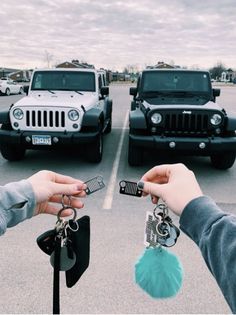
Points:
[(216, 92), (26, 89), (104, 90), (133, 91)]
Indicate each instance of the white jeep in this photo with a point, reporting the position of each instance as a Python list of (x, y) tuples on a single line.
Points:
[(64, 107)]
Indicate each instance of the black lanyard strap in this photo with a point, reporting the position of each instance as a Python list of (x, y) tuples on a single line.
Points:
[(56, 279)]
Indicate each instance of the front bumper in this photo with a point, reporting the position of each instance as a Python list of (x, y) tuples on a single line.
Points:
[(195, 146), (59, 139)]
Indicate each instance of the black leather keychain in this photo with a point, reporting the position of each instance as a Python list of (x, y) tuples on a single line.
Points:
[(80, 240)]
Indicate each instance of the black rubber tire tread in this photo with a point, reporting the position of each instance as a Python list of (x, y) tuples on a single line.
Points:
[(135, 155), (94, 151), (223, 161)]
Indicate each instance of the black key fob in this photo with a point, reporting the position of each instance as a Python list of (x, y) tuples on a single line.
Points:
[(46, 241), (80, 242)]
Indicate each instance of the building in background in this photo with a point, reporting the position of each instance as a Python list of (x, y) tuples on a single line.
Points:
[(21, 75), (4, 72), (74, 64)]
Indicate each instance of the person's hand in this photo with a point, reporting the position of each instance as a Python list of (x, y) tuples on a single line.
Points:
[(49, 188), (175, 184)]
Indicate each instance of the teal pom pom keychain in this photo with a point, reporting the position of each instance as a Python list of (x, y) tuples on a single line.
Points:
[(159, 272)]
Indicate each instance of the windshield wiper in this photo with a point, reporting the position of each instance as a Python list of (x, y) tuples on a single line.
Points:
[(78, 92), (50, 91), (191, 94)]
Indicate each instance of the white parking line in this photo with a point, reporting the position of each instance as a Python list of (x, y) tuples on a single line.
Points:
[(107, 204)]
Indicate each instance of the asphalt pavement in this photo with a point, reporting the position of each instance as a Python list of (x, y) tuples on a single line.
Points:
[(117, 227)]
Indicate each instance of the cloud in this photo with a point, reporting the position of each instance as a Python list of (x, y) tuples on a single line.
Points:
[(115, 33)]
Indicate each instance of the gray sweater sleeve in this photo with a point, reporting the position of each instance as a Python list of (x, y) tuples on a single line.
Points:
[(17, 203), (215, 233)]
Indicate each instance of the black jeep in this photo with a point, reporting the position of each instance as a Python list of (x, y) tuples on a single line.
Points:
[(174, 110)]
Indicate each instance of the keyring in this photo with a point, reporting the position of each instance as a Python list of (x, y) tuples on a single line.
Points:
[(62, 201), (161, 207), (77, 226), (167, 229), (64, 207)]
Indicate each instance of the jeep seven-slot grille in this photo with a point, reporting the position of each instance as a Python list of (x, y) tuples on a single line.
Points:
[(45, 118), (185, 122)]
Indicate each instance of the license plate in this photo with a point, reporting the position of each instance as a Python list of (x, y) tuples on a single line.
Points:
[(41, 140)]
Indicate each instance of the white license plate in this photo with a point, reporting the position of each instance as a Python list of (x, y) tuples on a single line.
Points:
[(41, 140)]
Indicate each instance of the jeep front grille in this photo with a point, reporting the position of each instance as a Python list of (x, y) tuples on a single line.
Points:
[(185, 122), (45, 118), (192, 123)]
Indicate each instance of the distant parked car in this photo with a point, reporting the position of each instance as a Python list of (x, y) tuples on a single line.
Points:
[(8, 87)]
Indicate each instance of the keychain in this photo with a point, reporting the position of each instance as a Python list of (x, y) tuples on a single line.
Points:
[(68, 244), (158, 271)]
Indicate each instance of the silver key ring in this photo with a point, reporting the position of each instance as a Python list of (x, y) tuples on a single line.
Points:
[(64, 207), (161, 207), (167, 227), (77, 226), (62, 201)]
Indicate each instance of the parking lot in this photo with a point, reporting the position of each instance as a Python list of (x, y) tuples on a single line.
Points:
[(117, 224)]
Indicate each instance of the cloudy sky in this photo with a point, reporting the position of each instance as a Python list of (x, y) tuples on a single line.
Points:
[(116, 33)]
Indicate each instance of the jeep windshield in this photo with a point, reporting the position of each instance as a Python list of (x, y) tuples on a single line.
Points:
[(175, 84), (64, 81)]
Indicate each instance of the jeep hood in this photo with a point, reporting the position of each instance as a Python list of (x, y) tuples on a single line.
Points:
[(208, 105), (47, 99)]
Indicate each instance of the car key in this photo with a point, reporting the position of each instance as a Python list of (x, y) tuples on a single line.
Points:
[(46, 241)]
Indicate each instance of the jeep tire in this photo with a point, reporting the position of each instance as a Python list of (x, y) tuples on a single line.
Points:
[(7, 92), (135, 155), (108, 127), (11, 152), (133, 105), (94, 150), (223, 160)]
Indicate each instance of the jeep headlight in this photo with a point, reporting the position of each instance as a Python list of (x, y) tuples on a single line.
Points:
[(73, 115), (216, 120), (18, 113), (156, 118)]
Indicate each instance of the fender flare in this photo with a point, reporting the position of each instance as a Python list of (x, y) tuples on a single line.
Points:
[(137, 119), (92, 118), (231, 123), (109, 104), (5, 117)]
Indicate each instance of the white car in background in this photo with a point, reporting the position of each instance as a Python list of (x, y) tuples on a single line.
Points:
[(8, 87)]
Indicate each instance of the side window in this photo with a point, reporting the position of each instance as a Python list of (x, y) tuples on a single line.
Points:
[(37, 81), (99, 82), (104, 79), (139, 83)]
